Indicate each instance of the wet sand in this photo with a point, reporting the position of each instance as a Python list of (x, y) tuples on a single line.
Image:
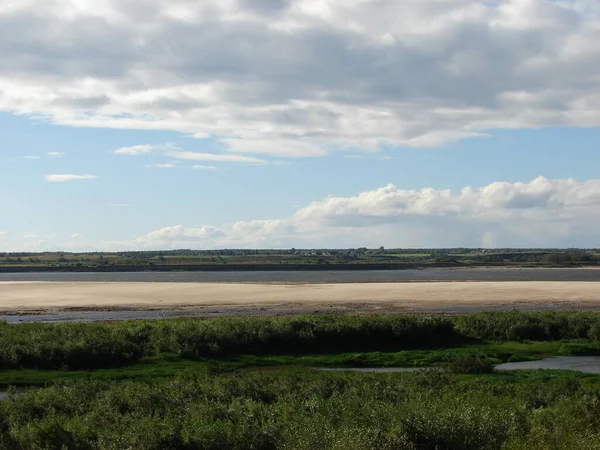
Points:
[(43, 298)]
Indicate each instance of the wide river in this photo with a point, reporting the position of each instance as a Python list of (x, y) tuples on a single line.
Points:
[(321, 276)]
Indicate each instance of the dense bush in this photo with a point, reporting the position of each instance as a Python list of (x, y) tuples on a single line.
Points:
[(76, 345), (100, 345), (470, 364), (307, 411), (538, 325)]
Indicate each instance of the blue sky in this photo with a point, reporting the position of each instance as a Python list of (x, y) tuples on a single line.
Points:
[(333, 127)]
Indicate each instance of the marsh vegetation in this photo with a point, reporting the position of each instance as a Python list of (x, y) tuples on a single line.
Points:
[(250, 383)]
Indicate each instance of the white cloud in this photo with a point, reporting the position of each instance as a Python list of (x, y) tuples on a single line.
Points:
[(2, 234), (59, 178), (304, 78), (120, 205), (539, 213), (30, 235), (56, 154), (31, 157), (279, 147), (134, 150), (175, 152), (75, 235), (194, 156), (179, 232), (203, 167)]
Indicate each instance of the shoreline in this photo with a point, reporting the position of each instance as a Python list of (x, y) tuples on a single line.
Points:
[(273, 267)]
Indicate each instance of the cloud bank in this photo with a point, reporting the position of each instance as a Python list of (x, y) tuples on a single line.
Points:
[(303, 78), (542, 213)]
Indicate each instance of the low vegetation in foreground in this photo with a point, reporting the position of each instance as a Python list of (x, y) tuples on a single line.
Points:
[(309, 410), (251, 383)]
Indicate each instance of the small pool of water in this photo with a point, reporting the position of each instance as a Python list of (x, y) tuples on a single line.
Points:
[(585, 364)]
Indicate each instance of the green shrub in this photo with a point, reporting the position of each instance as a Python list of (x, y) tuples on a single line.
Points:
[(535, 325), (78, 346), (594, 332), (470, 364), (309, 410), (88, 346)]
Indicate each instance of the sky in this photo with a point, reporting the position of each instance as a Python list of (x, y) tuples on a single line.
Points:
[(140, 125)]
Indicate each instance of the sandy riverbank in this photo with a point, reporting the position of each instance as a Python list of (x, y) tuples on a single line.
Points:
[(42, 296)]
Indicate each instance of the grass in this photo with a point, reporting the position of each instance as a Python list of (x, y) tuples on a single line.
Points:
[(41, 354), (145, 370), (169, 365), (306, 340)]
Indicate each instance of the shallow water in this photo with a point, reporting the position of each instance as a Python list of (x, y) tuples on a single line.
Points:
[(585, 364), (320, 276)]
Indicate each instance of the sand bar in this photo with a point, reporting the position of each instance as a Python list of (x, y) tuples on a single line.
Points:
[(42, 296)]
